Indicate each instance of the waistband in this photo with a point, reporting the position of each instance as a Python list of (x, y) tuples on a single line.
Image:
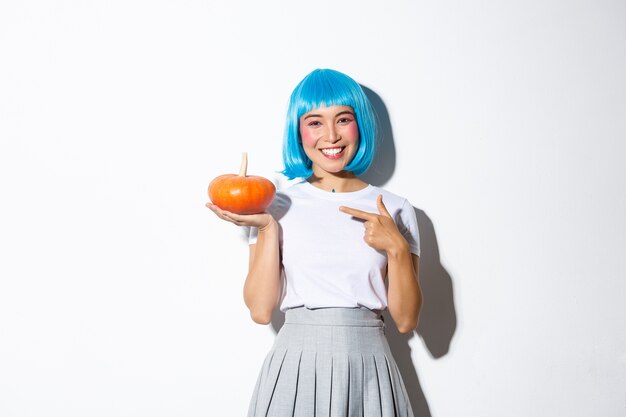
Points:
[(334, 316)]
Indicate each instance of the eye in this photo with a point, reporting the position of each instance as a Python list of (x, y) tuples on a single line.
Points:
[(313, 123), (344, 120)]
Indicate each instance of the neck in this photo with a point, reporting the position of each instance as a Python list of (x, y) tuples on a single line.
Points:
[(342, 182)]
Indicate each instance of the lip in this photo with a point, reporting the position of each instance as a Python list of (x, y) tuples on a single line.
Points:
[(337, 155)]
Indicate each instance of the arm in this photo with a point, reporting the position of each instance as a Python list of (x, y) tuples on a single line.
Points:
[(262, 286), (404, 296)]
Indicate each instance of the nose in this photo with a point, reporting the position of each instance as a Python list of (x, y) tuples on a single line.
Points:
[(333, 135)]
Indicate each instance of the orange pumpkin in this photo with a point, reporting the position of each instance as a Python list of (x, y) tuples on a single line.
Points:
[(242, 194)]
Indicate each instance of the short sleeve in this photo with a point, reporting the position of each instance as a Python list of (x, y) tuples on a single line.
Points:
[(406, 220)]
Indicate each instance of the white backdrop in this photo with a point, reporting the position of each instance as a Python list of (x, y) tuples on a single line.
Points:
[(505, 122)]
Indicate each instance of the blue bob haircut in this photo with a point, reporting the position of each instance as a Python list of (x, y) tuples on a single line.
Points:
[(325, 88)]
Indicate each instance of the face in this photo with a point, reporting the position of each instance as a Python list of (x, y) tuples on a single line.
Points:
[(330, 138)]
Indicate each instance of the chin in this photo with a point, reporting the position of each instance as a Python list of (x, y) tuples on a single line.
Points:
[(332, 169)]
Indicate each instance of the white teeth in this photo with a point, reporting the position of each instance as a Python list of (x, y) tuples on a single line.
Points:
[(332, 151)]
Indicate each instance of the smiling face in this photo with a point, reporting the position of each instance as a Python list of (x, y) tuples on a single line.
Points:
[(330, 138)]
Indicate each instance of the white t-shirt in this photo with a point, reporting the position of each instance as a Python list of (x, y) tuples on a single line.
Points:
[(326, 262)]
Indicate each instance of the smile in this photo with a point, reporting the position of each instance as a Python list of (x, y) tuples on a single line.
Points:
[(333, 153)]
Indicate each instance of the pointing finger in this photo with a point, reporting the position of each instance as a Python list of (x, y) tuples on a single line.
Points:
[(381, 206), (359, 214)]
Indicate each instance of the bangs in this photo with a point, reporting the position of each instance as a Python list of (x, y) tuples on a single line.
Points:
[(322, 90)]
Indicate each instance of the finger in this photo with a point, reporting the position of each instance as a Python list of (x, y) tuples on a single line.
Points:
[(222, 214), (381, 206), (360, 214), (231, 216), (215, 209)]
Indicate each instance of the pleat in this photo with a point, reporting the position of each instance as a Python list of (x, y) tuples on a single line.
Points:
[(323, 384), (399, 392), (340, 386), (355, 391), (394, 386), (371, 390), (282, 403), (406, 410), (268, 388), (387, 402), (305, 394)]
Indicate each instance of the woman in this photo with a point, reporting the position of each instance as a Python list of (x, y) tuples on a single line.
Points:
[(323, 252)]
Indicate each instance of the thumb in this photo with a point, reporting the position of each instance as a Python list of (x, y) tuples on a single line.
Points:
[(381, 207)]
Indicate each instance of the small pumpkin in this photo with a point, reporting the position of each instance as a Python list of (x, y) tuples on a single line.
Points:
[(242, 194)]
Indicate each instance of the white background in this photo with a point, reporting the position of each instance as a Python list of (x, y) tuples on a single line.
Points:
[(120, 293)]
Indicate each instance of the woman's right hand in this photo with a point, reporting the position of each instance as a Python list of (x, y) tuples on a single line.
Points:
[(261, 220)]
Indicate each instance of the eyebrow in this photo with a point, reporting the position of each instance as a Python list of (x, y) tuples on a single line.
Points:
[(337, 115)]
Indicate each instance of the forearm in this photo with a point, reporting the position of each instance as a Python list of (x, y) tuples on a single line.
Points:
[(404, 295), (262, 285)]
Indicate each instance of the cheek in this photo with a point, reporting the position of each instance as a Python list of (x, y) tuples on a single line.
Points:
[(352, 132), (308, 138)]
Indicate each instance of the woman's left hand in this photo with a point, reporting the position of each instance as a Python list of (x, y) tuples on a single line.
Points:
[(381, 231)]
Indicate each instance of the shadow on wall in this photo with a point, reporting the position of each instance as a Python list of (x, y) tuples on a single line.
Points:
[(437, 322), (384, 163)]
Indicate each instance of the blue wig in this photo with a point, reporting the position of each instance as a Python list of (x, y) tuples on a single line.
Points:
[(325, 88)]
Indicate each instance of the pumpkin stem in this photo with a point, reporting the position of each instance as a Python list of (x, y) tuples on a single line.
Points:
[(244, 164)]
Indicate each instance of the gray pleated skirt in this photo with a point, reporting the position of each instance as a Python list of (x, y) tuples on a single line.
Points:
[(330, 362)]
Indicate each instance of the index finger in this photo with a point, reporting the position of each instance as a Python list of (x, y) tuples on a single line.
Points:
[(360, 214)]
